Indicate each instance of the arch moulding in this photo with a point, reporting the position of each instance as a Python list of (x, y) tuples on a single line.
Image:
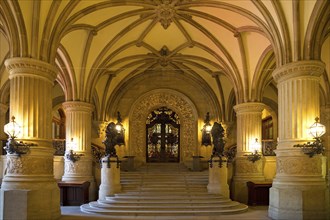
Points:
[(152, 100)]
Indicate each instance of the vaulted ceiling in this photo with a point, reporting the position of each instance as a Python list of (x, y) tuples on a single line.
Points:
[(230, 46)]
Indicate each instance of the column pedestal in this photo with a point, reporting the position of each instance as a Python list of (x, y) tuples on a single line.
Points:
[(218, 179), (110, 178)]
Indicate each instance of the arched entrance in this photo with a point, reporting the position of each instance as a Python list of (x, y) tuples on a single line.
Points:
[(163, 136), (156, 99)]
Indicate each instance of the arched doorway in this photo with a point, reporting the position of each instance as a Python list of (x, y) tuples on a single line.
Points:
[(163, 136)]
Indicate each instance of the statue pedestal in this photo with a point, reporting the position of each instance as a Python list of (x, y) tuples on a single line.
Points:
[(218, 179), (110, 177)]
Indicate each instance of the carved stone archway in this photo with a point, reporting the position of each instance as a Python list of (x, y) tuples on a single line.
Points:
[(153, 100)]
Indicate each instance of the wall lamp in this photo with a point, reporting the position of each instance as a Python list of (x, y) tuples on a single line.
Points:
[(316, 147), (206, 131), (71, 155), (120, 130), (254, 156), (12, 129)]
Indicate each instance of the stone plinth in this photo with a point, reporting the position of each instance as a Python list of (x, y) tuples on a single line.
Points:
[(218, 179), (110, 177)]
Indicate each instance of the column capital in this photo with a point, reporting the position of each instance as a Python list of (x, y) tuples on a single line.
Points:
[(78, 106), (307, 68), (249, 107), (29, 67)]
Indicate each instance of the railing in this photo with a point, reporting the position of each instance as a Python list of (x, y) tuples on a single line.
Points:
[(59, 146), (97, 152), (268, 147)]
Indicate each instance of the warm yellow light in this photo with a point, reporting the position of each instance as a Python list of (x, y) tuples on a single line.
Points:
[(317, 129), (12, 129), (72, 145), (208, 128), (119, 127), (256, 146)]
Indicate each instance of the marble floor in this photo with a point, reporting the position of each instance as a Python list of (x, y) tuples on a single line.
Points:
[(253, 213)]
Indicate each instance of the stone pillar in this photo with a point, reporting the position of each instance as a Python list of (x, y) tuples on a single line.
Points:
[(249, 127), (325, 119), (30, 178), (78, 128), (110, 177), (298, 190), (3, 136), (218, 178)]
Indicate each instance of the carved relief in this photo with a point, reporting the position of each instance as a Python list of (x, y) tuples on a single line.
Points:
[(140, 112), (80, 167), (244, 166), (298, 165), (29, 165)]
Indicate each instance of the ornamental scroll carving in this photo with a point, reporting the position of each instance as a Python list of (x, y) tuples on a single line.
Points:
[(29, 165), (299, 165), (188, 142), (80, 167), (243, 166)]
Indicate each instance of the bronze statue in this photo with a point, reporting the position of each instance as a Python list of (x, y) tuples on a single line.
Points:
[(218, 143), (110, 141)]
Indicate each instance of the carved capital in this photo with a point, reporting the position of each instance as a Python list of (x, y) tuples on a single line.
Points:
[(308, 68), (77, 106), (81, 167), (249, 107), (246, 167), (28, 67)]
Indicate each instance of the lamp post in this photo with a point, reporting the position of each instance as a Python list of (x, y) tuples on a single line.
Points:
[(206, 131), (13, 129), (311, 148)]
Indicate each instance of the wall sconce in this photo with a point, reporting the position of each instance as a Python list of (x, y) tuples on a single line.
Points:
[(206, 131), (12, 129), (121, 131), (311, 148), (71, 155), (254, 156)]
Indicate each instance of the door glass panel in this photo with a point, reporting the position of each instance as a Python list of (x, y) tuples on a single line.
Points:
[(163, 136)]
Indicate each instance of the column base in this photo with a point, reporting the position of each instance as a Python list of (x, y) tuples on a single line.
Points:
[(245, 171), (78, 171), (299, 201)]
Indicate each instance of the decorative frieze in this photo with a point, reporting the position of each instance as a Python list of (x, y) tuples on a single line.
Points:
[(311, 68), (21, 66)]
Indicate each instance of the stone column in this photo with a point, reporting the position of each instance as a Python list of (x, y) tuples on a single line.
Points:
[(325, 119), (249, 127), (298, 190), (29, 181), (78, 128), (3, 136)]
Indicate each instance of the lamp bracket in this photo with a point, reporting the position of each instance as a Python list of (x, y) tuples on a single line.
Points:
[(17, 148), (312, 148), (253, 157), (72, 156)]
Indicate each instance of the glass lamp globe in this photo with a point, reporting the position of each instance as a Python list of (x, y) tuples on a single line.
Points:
[(208, 128), (317, 129), (256, 146), (12, 129)]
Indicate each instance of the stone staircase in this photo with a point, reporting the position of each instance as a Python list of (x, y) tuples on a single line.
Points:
[(164, 189)]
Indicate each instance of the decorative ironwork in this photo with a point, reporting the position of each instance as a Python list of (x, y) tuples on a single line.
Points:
[(163, 135), (254, 156), (59, 146), (230, 153), (311, 148), (269, 147), (72, 156), (97, 153)]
